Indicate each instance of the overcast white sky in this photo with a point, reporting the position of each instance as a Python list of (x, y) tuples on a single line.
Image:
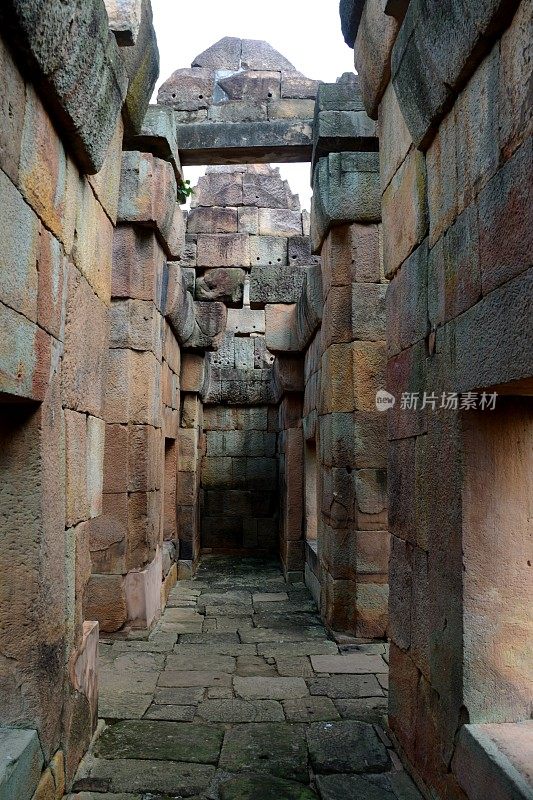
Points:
[(307, 33)]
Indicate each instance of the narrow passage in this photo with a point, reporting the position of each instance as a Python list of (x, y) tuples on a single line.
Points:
[(238, 693)]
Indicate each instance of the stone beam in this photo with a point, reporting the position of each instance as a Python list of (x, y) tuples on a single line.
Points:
[(282, 141), (84, 92)]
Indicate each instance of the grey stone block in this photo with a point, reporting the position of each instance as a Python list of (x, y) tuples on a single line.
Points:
[(350, 11), (224, 54), (260, 142), (21, 762), (142, 67), (342, 131), (437, 48), (158, 136), (346, 188), (275, 285), (268, 250), (84, 92)]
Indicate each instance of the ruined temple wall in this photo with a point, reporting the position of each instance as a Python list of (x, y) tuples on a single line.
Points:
[(55, 288), (245, 249), (353, 538), (456, 169), (62, 127), (133, 543)]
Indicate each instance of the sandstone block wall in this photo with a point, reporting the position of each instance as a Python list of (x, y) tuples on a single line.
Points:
[(61, 139), (246, 249), (456, 167)]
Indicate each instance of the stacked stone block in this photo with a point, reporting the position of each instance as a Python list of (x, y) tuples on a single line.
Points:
[(245, 248), (241, 96), (239, 499), (133, 544), (61, 137), (344, 366), (456, 166)]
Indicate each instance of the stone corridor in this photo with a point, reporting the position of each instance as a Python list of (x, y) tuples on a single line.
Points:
[(239, 693)]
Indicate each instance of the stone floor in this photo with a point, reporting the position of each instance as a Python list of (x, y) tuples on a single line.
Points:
[(239, 693)]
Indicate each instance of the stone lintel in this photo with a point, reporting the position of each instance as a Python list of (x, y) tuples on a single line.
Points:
[(283, 141)]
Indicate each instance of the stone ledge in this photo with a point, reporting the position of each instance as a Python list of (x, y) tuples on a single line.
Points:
[(494, 760), (221, 143), (84, 93), (21, 762)]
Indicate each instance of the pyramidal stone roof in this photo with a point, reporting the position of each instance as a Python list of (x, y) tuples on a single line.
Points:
[(234, 70)]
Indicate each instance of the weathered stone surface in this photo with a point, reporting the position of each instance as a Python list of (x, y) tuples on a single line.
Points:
[(187, 89), (346, 746), (407, 225), (221, 284), (343, 686), (422, 40), (218, 189), (258, 688), (19, 252), (105, 601), (252, 85), (212, 220), (158, 136), (372, 50), (279, 222), (295, 85), (20, 764), (355, 787), (12, 101), (271, 788), (89, 87), (310, 709), (142, 67), (345, 189), (124, 20), (240, 711), (224, 54), (164, 741), (349, 663), (223, 250), (342, 131), (268, 250), (258, 55), (260, 142), (275, 748), (147, 192), (350, 12), (132, 775), (273, 285), (266, 191)]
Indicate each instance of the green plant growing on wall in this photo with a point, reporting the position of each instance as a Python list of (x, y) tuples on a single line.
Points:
[(184, 191)]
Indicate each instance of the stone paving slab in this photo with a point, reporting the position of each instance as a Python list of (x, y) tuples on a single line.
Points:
[(310, 709), (228, 705), (194, 678), (178, 696), (208, 661), (346, 746), (275, 748), (130, 775), (170, 712), (264, 787), (269, 597), (123, 705), (235, 710), (292, 648), (164, 741), (351, 663), (259, 688), (344, 686)]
